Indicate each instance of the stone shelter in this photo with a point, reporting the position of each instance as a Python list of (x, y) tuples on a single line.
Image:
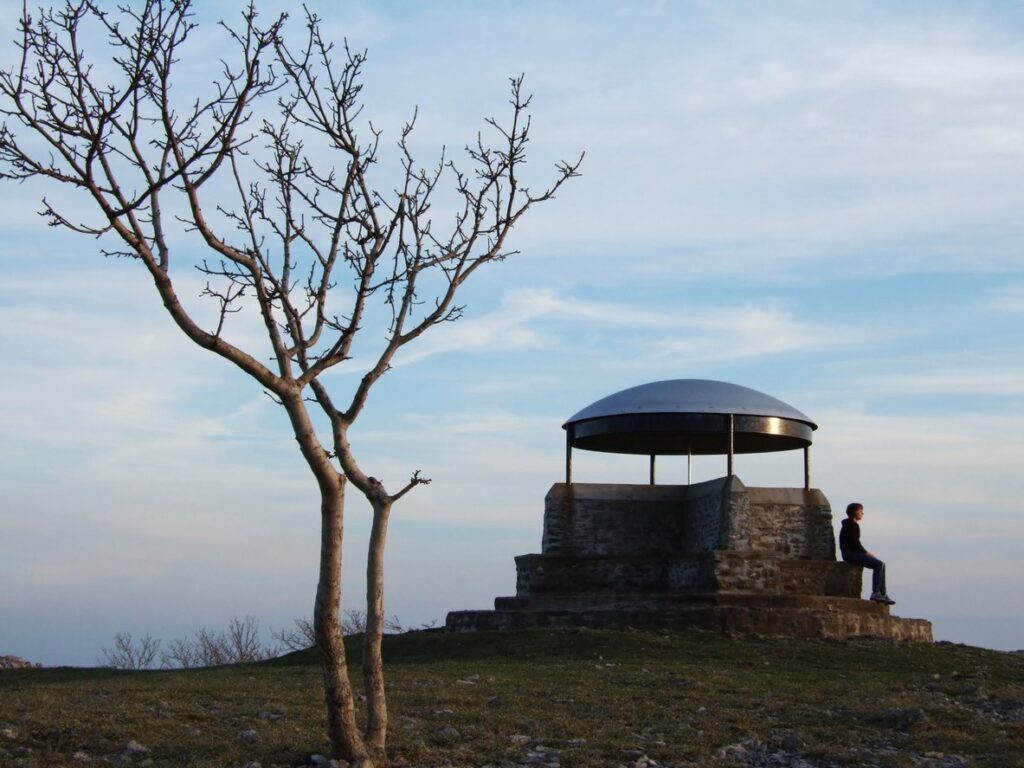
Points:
[(715, 554)]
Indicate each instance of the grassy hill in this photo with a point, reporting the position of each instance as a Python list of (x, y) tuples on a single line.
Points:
[(565, 698)]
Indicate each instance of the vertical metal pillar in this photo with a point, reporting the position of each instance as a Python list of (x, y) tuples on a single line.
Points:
[(807, 467), (732, 435), (689, 466), (652, 469), (568, 454)]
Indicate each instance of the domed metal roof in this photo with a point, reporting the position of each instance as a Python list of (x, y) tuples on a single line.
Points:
[(689, 416)]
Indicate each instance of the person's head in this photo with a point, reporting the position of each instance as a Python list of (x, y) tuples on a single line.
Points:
[(855, 511)]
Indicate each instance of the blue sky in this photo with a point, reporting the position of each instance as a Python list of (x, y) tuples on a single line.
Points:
[(822, 204)]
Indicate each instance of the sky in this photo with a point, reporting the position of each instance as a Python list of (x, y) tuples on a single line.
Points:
[(822, 203)]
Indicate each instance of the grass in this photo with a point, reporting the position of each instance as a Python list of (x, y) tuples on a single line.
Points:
[(598, 698)]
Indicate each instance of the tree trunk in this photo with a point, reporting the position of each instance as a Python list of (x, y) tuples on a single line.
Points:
[(342, 728), (373, 663)]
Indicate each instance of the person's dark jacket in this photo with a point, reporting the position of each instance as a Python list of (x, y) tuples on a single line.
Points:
[(849, 538)]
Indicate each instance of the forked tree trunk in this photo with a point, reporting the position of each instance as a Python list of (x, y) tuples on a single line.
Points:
[(343, 730)]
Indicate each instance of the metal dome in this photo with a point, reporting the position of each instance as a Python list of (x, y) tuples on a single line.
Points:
[(689, 416)]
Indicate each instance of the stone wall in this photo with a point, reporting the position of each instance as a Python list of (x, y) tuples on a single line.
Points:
[(787, 521), (674, 520), (582, 574), (776, 574), (634, 520), (603, 538)]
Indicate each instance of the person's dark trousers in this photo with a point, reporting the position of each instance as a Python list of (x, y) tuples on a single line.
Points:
[(877, 569)]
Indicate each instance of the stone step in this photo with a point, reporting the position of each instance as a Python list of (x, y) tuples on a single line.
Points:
[(675, 601), (760, 616), (719, 571)]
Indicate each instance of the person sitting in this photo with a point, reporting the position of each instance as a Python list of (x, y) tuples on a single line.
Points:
[(853, 552)]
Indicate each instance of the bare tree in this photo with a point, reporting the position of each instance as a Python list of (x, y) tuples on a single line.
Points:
[(238, 644), (298, 637), (270, 172), (182, 652), (242, 639), (354, 622), (130, 652)]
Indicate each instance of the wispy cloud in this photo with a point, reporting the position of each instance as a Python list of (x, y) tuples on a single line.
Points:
[(735, 333), (1009, 299), (796, 139), (527, 319), (987, 380)]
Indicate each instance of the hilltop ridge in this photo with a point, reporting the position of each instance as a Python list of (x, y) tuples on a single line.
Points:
[(557, 698)]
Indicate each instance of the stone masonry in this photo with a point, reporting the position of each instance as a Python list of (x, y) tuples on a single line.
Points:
[(716, 554)]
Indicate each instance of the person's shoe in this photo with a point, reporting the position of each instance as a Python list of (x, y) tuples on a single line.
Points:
[(881, 597)]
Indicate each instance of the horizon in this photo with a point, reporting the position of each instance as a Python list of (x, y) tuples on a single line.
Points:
[(820, 204)]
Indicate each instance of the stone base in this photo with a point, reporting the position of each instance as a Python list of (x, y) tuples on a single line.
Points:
[(833, 618), (716, 554), (718, 571)]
